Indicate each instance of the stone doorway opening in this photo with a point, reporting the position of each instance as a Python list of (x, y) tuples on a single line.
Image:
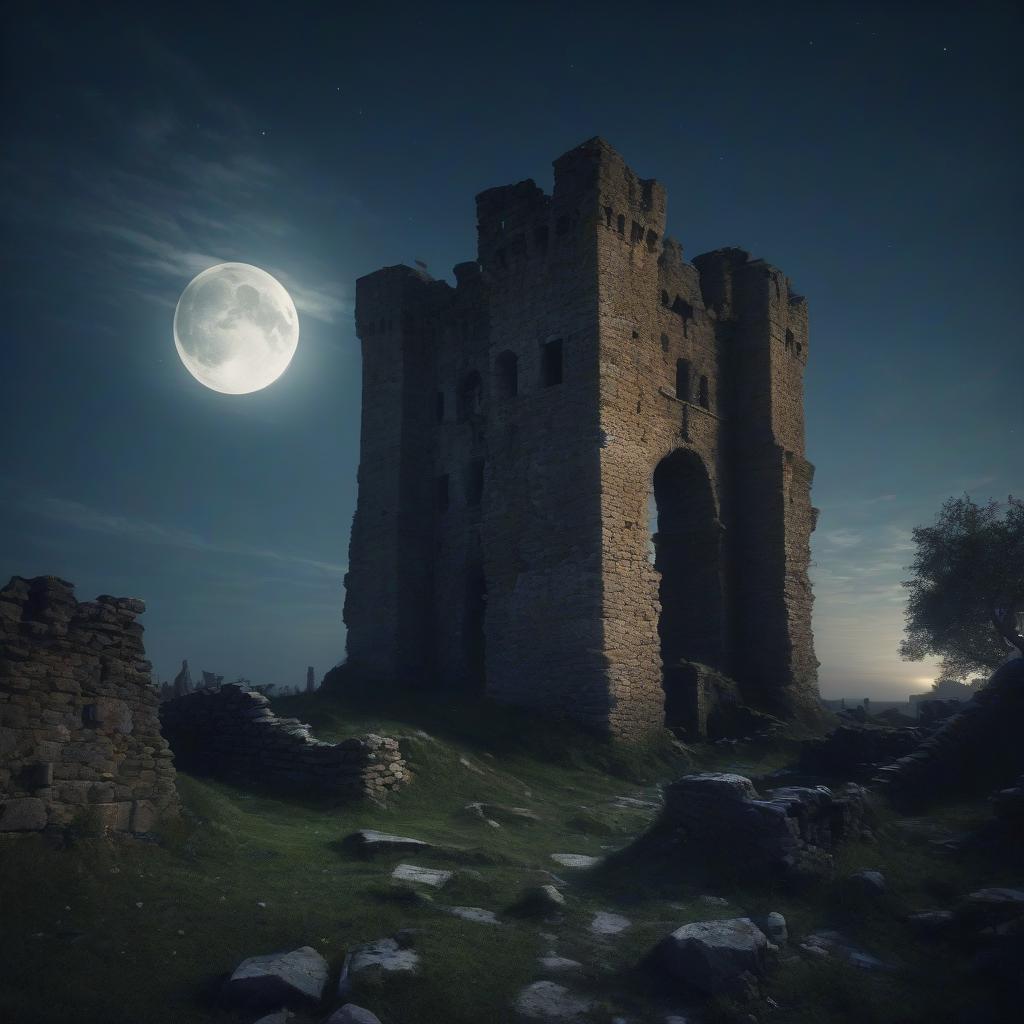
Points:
[(686, 550)]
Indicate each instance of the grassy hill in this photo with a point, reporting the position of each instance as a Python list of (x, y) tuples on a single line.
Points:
[(133, 931)]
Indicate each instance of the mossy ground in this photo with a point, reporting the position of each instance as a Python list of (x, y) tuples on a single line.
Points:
[(132, 932)]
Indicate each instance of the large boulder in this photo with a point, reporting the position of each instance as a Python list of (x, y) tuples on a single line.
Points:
[(714, 956), (352, 1014), (549, 1001), (791, 829), (279, 979)]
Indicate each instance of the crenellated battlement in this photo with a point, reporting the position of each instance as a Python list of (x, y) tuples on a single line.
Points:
[(520, 431)]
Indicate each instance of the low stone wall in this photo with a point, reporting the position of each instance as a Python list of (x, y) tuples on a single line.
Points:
[(231, 732), (79, 734)]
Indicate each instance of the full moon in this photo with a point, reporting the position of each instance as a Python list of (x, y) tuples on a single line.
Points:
[(235, 328)]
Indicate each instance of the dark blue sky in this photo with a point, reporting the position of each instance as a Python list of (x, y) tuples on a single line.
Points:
[(872, 151)]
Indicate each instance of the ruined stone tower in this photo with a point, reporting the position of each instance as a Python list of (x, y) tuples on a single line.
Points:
[(525, 432)]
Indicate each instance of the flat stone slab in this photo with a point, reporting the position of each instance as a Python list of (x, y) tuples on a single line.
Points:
[(830, 943), (555, 964), (425, 876), (279, 979), (711, 955), (501, 812), (475, 914), (549, 1001), (605, 923), (385, 955), (575, 860), (369, 841)]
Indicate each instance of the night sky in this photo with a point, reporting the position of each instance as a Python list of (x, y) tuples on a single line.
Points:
[(873, 152)]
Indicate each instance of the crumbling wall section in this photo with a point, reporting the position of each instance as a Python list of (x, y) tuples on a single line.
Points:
[(232, 733), (79, 734)]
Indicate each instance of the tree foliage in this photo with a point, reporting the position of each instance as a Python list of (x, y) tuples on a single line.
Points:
[(966, 590)]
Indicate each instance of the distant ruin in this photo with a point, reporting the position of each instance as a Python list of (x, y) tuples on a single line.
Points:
[(80, 741), (582, 480)]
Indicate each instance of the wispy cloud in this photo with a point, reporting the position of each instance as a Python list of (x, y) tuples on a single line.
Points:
[(167, 196), (84, 517)]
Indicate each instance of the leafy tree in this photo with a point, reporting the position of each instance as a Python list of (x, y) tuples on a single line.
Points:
[(966, 591)]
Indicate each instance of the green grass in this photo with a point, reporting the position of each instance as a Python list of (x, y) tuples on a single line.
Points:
[(74, 944)]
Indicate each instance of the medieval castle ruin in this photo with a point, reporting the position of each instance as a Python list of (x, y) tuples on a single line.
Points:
[(582, 482)]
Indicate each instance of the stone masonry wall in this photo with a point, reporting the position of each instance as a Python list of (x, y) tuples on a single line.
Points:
[(524, 434), (79, 734), (232, 732)]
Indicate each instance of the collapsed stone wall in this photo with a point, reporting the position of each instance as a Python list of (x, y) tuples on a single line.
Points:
[(79, 734), (231, 732)]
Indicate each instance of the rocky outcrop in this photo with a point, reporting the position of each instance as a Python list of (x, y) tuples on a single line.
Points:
[(231, 732), (793, 829), (79, 736), (985, 735)]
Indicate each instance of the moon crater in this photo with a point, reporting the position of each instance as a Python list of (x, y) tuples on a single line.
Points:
[(235, 328)]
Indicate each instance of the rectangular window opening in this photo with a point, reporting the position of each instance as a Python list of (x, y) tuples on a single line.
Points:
[(683, 379), (551, 363)]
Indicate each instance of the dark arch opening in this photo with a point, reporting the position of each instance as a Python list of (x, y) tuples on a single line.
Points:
[(686, 537)]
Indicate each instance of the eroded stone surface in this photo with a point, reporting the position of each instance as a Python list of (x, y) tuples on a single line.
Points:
[(575, 860), (605, 923), (434, 877), (549, 1001), (369, 841), (477, 914), (385, 955), (352, 1014), (79, 734), (288, 979), (711, 956)]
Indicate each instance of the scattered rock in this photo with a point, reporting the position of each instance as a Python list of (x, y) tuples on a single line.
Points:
[(475, 914), (501, 813), (556, 964), (633, 803), (988, 907), (280, 1017), (549, 1001), (575, 860), (869, 883), (713, 901), (383, 955), (712, 956), (352, 1014), (932, 922), (367, 842), (774, 927), (278, 979), (793, 829), (434, 877), (539, 901), (605, 923), (830, 943)]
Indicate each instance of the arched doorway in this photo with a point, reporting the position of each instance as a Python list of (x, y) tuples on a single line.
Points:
[(686, 551)]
